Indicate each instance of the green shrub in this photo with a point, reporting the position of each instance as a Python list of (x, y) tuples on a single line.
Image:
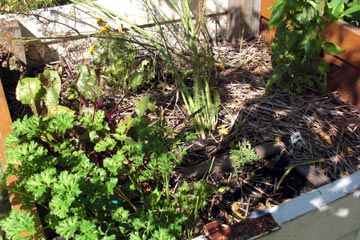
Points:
[(15, 6), (297, 47)]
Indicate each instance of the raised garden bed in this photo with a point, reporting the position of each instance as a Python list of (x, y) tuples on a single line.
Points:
[(327, 137)]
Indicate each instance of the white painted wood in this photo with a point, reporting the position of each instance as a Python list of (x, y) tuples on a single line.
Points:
[(331, 212), (355, 235), (316, 199), (330, 222), (72, 19)]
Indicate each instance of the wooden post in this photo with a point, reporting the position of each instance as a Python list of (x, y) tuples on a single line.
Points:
[(243, 19), (5, 126)]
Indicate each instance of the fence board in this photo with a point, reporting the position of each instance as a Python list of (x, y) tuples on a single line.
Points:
[(243, 19)]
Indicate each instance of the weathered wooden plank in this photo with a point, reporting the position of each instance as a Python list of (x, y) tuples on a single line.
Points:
[(224, 162), (243, 19), (266, 8), (24, 45)]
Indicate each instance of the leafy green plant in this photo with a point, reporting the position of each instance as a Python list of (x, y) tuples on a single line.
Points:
[(353, 18), (42, 90), (115, 56), (191, 49), (192, 203), (339, 9), (93, 180), (297, 48), (19, 225), (14, 6), (243, 154)]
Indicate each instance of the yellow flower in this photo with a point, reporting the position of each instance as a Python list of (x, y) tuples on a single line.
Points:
[(99, 21), (105, 28), (92, 49)]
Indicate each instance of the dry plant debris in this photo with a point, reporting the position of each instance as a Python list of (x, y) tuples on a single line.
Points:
[(329, 128)]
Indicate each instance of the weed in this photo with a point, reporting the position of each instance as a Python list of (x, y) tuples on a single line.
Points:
[(243, 154), (115, 56)]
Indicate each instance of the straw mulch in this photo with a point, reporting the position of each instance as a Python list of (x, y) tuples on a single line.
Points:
[(329, 128)]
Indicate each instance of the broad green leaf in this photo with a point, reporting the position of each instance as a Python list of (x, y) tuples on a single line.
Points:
[(56, 110), (332, 48), (292, 4), (51, 97), (27, 90), (136, 79), (292, 38), (51, 79), (142, 105), (337, 6), (352, 10), (276, 16), (87, 84), (309, 14)]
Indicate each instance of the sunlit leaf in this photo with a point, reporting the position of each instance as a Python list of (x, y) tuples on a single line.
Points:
[(27, 90), (332, 48), (276, 16), (136, 79), (51, 81), (87, 84), (142, 105), (54, 110)]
